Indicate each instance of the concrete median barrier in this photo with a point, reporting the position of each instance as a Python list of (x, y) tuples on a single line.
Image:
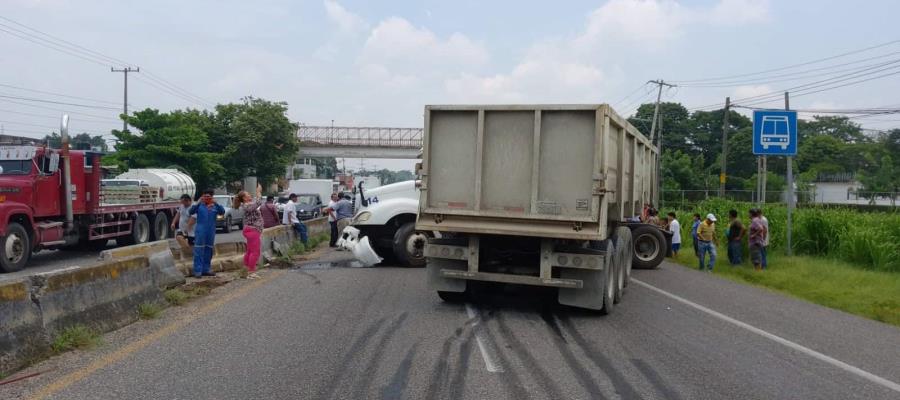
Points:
[(22, 336)]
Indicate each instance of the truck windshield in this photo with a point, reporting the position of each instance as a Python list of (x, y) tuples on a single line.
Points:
[(15, 167)]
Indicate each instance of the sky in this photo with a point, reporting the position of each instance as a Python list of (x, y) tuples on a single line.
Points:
[(378, 63)]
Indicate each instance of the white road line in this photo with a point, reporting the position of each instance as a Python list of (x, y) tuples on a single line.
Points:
[(805, 350), (489, 363)]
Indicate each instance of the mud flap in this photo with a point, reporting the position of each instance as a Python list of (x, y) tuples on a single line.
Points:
[(590, 295), (433, 267)]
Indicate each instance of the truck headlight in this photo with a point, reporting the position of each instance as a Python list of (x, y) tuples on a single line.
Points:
[(220, 217), (362, 217)]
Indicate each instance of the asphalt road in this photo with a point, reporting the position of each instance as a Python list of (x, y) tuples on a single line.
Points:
[(52, 260), (329, 331)]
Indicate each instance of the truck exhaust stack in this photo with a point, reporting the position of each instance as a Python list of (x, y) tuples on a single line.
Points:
[(67, 171)]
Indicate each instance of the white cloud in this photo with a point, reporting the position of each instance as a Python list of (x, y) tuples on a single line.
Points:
[(399, 48), (346, 21), (742, 92), (730, 12)]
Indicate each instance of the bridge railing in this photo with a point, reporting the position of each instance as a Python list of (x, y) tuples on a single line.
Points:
[(360, 136)]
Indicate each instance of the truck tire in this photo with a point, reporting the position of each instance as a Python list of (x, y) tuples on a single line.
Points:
[(649, 247), (618, 274), (15, 249), (140, 230), (452, 297), (609, 281), (623, 234), (227, 227), (160, 227), (409, 246)]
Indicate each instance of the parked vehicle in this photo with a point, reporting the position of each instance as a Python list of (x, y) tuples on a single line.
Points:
[(322, 187), (232, 216), (533, 195), (51, 199), (387, 216), (308, 206)]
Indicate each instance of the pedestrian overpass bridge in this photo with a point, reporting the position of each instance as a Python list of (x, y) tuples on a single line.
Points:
[(359, 142)]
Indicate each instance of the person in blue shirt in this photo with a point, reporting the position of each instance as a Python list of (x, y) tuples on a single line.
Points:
[(205, 213), (694, 234)]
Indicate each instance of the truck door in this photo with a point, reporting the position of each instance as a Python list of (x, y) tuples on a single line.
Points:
[(47, 184)]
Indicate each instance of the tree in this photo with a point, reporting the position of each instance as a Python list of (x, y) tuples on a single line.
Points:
[(679, 172), (254, 138), (175, 139), (706, 132), (840, 128), (81, 141), (675, 119)]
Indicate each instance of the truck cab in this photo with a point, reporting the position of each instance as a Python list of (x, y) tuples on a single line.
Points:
[(387, 215)]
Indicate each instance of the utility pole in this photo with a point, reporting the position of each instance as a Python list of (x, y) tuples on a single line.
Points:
[(125, 72), (724, 147), (790, 184), (660, 83)]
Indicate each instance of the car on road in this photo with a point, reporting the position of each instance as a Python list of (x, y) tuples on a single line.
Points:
[(231, 217), (308, 206)]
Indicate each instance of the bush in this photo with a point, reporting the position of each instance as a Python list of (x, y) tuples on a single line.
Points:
[(176, 297), (75, 337), (149, 310)]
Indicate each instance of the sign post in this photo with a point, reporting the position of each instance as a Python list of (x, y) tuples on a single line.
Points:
[(775, 134)]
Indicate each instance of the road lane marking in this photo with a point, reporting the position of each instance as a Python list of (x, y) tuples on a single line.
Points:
[(489, 363), (119, 355), (805, 350)]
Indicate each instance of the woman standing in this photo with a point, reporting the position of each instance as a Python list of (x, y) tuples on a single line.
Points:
[(253, 227)]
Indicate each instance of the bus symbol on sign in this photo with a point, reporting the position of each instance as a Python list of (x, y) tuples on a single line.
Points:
[(775, 132)]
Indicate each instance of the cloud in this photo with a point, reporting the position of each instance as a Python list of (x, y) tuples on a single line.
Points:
[(399, 48), (742, 92), (573, 68), (346, 21)]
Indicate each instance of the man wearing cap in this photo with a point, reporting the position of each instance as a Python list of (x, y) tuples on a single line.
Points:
[(706, 236)]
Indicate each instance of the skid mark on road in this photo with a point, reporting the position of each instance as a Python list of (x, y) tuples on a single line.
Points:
[(352, 351), (778, 339), (655, 380), (623, 388), (521, 351), (486, 353), (363, 379), (395, 388)]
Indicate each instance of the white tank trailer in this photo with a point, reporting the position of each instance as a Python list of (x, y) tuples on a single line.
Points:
[(173, 182)]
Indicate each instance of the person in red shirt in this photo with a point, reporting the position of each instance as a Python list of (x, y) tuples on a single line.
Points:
[(270, 213)]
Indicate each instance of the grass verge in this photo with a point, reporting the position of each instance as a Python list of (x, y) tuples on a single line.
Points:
[(75, 337), (149, 310), (827, 282)]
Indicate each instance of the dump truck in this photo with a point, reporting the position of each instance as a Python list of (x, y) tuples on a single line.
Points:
[(52, 199), (540, 195)]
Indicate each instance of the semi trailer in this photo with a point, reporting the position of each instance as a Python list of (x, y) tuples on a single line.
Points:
[(538, 195), (52, 199)]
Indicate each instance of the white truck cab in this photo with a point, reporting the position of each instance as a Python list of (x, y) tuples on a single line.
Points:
[(387, 216)]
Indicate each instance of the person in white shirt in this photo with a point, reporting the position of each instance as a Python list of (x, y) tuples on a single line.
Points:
[(332, 221), (675, 228), (290, 218)]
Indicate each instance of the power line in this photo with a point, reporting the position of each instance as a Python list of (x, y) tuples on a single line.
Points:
[(56, 94), (57, 102), (62, 110), (790, 66), (806, 93), (632, 93), (54, 117)]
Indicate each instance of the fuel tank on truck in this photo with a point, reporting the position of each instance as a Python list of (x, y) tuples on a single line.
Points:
[(173, 182)]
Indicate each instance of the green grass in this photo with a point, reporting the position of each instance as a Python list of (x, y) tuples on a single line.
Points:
[(176, 297), (149, 310), (827, 282), (75, 337)]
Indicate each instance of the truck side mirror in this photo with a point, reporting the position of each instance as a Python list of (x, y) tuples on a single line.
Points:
[(54, 163)]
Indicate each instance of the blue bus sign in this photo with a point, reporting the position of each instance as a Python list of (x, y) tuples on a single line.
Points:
[(774, 133)]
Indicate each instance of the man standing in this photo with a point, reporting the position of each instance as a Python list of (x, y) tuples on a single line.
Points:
[(332, 222), (706, 236), (269, 212), (735, 234), (757, 236), (765, 244), (343, 211), (675, 228), (204, 214), (694, 227), (290, 218), (184, 229)]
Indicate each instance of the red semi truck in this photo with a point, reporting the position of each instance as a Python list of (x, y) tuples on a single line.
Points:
[(52, 199)]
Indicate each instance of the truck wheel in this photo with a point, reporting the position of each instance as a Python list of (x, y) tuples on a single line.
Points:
[(618, 274), (649, 247), (15, 249), (409, 246), (452, 297), (140, 232), (624, 245), (609, 280), (227, 228), (160, 226)]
